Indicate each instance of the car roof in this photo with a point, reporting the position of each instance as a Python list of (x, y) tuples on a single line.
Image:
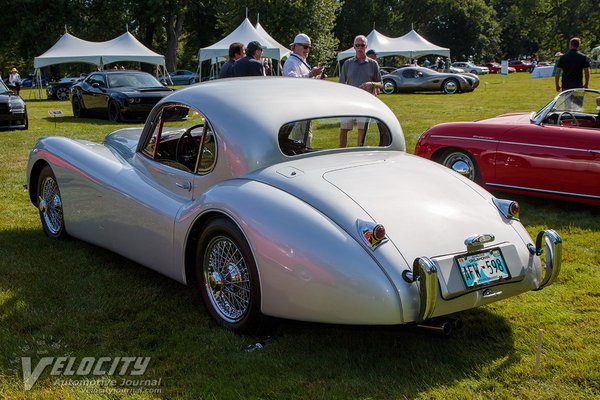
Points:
[(249, 112)]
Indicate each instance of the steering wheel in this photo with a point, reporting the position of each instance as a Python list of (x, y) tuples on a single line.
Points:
[(567, 113), (186, 148)]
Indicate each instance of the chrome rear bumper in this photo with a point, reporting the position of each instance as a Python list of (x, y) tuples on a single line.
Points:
[(425, 273), (553, 246)]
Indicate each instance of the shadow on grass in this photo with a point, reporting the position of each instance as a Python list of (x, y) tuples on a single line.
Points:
[(555, 214), (65, 119), (100, 304)]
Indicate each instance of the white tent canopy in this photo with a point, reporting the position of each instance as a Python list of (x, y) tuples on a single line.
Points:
[(284, 51), (410, 45), (70, 49), (244, 33)]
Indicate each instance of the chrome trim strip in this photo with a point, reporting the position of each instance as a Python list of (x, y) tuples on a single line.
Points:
[(544, 146), (426, 274), (587, 196), (553, 248)]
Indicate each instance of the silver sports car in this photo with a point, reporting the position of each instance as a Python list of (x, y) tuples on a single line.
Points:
[(419, 79), (252, 199)]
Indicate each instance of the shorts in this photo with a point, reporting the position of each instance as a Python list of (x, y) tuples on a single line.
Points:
[(347, 123)]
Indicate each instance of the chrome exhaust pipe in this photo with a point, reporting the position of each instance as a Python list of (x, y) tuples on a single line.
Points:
[(444, 326)]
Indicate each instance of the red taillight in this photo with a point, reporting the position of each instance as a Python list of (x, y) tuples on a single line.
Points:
[(379, 232), (514, 209)]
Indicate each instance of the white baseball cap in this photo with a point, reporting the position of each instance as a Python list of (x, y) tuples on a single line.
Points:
[(301, 38)]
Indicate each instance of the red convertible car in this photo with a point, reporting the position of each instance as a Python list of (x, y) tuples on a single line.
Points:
[(552, 153)]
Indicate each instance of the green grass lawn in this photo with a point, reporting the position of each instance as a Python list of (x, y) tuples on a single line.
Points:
[(61, 298)]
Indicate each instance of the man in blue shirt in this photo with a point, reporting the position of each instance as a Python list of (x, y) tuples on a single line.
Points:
[(236, 51)]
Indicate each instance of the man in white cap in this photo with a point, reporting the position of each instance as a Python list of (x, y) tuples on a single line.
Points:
[(296, 65)]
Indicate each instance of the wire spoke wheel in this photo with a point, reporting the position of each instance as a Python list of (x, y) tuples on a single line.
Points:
[(227, 279), (50, 204)]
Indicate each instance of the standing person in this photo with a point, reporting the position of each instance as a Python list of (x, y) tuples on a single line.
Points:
[(362, 72), (426, 63), (372, 54), (250, 65), (296, 65), (14, 79), (556, 57), (236, 51), (573, 65)]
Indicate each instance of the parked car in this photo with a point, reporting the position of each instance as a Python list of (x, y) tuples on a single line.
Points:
[(472, 68), (419, 79), (31, 80), (552, 153), (180, 77), (254, 203), (519, 66), (120, 95), (13, 111), (60, 90), (496, 68)]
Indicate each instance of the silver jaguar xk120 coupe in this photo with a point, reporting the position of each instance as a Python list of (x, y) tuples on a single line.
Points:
[(240, 188)]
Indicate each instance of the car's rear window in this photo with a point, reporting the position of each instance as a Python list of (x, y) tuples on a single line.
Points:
[(310, 135)]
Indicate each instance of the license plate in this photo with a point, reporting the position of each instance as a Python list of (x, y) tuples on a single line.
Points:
[(482, 268)]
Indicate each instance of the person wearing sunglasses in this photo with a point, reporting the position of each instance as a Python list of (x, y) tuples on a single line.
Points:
[(296, 65), (362, 72)]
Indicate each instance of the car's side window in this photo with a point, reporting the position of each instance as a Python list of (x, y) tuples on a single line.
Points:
[(182, 138), (97, 78), (409, 73)]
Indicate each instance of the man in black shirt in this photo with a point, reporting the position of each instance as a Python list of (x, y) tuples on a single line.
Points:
[(251, 64), (573, 65)]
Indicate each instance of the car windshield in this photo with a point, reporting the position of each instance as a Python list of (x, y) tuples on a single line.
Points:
[(3, 88), (578, 101), (311, 135), (139, 81)]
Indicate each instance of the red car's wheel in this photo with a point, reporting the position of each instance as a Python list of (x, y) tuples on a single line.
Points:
[(460, 162)]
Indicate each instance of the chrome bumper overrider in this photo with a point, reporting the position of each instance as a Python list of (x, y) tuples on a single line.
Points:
[(553, 247), (425, 273)]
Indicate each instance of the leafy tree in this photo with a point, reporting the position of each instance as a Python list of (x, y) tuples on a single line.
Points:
[(284, 19)]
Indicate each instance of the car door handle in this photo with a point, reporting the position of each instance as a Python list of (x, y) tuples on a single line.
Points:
[(187, 185)]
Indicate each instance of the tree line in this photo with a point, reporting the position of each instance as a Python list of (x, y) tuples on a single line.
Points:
[(482, 29)]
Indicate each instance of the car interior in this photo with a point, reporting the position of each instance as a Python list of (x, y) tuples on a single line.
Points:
[(577, 109), (185, 140)]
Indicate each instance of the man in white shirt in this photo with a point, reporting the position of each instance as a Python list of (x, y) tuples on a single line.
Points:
[(296, 65)]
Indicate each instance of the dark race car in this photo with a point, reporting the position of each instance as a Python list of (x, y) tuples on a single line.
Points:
[(118, 95)]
